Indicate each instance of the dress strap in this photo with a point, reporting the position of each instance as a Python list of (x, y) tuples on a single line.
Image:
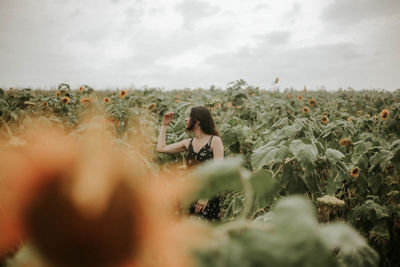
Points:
[(209, 141)]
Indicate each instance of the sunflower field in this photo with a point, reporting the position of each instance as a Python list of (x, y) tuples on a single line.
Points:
[(310, 178)]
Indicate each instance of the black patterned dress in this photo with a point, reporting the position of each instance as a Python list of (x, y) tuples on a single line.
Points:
[(212, 210)]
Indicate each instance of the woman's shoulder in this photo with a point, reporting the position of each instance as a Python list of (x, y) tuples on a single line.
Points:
[(216, 140), (186, 142)]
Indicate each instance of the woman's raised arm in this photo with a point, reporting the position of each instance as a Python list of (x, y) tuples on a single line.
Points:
[(161, 144)]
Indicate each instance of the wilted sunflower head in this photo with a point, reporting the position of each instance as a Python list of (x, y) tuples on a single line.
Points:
[(305, 110), (123, 93), (384, 114), (345, 142), (355, 172), (300, 97), (324, 119), (312, 102), (65, 100)]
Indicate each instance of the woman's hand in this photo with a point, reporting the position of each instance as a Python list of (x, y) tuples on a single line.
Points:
[(167, 118), (201, 205)]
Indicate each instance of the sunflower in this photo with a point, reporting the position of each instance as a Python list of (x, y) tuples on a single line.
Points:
[(107, 100), (345, 142), (349, 119), (375, 118), (58, 208), (324, 119), (81, 89), (45, 104), (177, 101), (85, 100), (239, 107), (312, 102), (123, 93), (305, 110), (253, 94), (355, 172), (384, 114), (152, 105), (358, 113), (300, 97), (229, 104), (58, 93), (367, 116), (65, 100)]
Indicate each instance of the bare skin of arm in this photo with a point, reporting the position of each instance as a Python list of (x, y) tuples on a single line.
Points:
[(161, 144)]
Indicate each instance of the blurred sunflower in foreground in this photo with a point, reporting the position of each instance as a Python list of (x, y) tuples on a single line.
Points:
[(83, 201)]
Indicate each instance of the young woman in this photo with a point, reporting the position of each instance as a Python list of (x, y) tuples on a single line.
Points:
[(205, 145)]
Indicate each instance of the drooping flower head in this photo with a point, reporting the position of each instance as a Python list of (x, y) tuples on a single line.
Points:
[(355, 172), (305, 110), (324, 119), (65, 100), (312, 102), (345, 142), (123, 93), (384, 114)]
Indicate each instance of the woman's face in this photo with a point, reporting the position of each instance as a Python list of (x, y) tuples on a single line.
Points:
[(187, 120)]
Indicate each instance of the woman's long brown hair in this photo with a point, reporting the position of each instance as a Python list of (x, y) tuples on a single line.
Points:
[(203, 115)]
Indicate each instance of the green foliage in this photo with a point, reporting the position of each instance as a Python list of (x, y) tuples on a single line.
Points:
[(283, 150), (290, 236)]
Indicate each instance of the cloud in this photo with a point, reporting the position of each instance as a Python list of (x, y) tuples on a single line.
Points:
[(344, 12), (195, 10), (335, 65), (277, 37)]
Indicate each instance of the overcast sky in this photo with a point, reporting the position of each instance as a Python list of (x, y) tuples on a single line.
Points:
[(198, 43)]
